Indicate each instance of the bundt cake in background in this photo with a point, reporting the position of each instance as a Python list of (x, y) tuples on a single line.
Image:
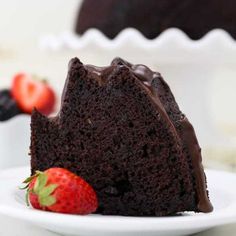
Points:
[(151, 17), (120, 128)]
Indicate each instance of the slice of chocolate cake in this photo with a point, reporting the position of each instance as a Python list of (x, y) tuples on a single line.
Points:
[(120, 129)]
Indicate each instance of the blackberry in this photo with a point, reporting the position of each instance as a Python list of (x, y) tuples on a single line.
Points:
[(8, 106)]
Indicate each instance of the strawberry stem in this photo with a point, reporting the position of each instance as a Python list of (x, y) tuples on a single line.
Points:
[(39, 79), (41, 189)]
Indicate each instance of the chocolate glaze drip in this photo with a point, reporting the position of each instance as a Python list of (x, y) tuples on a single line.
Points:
[(146, 77), (101, 74), (188, 134), (142, 72)]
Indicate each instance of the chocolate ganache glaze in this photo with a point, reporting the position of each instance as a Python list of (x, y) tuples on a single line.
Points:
[(190, 139), (146, 78)]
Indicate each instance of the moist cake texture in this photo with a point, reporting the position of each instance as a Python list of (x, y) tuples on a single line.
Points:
[(120, 128)]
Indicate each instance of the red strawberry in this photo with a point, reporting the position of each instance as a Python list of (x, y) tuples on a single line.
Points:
[(30, 93), (59, 190)]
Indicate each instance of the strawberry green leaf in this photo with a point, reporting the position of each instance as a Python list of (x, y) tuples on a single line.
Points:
[(40, 182), (25, 187), (28, 180), (27, 198), (37, 172), (48, 190), (47, 201)]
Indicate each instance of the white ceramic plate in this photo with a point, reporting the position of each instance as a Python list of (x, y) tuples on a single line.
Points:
[(222, 193)]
